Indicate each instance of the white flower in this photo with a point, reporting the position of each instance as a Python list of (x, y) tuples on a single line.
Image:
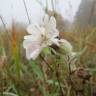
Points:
[(40, 37)]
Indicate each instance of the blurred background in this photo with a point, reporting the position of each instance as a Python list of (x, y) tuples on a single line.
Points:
[(10, 9), (76, 22), (71, 11)]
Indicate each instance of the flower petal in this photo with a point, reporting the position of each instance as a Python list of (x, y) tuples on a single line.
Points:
[(29, 42), (32, 38), (52, 22), (32, 54), (32, 49), (33, 29), (53, 31), (46, 19)]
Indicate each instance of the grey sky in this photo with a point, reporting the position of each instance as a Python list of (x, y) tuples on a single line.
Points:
[(10, 9)]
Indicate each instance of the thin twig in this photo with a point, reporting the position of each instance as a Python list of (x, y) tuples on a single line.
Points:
[(57, 76), (70, 72), (52, 2), (4, 25), (46, 63), (41, 4), (26, 11)]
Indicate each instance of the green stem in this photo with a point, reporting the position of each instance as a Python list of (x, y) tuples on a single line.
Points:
[(17, 63), (58, 79), (46, 63)]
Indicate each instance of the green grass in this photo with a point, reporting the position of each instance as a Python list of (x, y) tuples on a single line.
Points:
[(20, 77)]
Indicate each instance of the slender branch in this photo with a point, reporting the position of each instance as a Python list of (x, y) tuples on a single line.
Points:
[(52, 2), (57, 76), (26, 11), (69, 65), (57, 73), (41, 4), (4, 25), (46, 6), (46, 63), (70, 72)]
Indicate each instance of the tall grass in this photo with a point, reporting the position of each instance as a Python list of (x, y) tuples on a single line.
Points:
[(49, 75)]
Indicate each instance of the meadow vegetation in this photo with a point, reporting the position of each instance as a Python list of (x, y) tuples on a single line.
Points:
[(49, 74)]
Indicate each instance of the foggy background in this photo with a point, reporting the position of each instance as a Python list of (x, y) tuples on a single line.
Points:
[(14, 9)]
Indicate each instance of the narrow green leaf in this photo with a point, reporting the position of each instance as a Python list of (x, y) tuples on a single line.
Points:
[(36, 69)]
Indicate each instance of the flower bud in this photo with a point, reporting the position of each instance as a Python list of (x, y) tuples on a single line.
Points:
[(65, 47)]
